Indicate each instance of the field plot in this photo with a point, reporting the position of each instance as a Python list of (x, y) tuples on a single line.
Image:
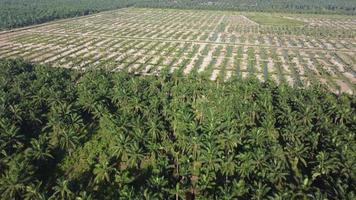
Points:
[(295, 49)]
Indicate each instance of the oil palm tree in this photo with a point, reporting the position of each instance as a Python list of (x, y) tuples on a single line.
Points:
[(33, 192), (62, 190), (102, 170), (13, 182), (38, 149)]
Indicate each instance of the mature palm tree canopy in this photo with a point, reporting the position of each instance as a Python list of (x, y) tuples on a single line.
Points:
[(68, 134)]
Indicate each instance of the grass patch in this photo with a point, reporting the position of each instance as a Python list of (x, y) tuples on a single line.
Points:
[(273, 19)]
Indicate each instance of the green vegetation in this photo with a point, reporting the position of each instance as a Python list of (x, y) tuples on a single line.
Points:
[(97, 135), (18, 13), (295, 6), (273, 19)]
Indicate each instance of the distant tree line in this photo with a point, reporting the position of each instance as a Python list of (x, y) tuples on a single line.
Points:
[(18, 13), (99, 135), (294, 6)]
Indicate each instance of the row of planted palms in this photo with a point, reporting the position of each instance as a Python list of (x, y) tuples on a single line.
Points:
[(99, 135)]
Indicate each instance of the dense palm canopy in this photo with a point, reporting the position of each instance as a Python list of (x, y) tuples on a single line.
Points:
[(98, 135)]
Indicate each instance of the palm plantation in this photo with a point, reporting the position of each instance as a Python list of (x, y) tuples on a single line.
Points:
[(69, 134)]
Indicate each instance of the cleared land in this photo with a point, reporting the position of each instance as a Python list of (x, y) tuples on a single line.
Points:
[(296, 49)]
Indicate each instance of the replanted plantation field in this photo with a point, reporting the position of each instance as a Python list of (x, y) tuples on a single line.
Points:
[(299, 50)]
